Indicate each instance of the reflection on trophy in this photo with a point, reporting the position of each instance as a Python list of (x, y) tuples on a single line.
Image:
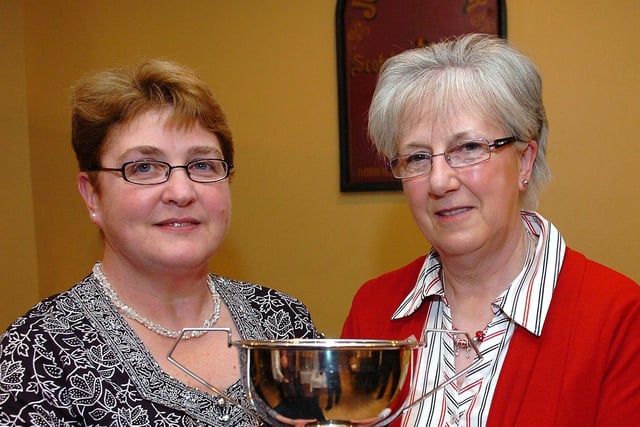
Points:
[(327, 381), (289, 377)]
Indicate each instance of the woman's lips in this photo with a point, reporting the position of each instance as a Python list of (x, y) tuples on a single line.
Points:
[(177, 223), (452, 212)]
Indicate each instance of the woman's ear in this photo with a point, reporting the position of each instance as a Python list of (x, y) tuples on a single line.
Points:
[(90, 197), (527, 159)]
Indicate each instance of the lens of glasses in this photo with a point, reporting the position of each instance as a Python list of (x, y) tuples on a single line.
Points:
[(468, 153), (411, 165), (207, 170), (146, 172)]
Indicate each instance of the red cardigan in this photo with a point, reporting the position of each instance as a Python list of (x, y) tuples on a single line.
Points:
[(584, 370)]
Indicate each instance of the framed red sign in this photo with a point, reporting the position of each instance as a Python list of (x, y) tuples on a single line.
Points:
[(370, 31)]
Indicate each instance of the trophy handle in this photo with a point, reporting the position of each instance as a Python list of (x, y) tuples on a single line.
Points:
[(479, 359), (197, 377)]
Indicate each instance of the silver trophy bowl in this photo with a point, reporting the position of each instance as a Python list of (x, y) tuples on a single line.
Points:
[(327, 382), (335, 382)]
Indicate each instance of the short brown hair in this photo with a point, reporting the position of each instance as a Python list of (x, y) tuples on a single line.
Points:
[(114, 97)]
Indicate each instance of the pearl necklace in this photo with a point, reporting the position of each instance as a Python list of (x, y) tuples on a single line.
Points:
[(154, 327)]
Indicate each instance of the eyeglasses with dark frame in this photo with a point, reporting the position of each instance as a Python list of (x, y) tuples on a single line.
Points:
[(151, 172), (466, 153)]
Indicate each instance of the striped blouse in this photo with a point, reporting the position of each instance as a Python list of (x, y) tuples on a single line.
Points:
[(524, 303)]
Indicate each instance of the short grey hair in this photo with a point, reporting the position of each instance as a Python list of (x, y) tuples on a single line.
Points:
[(483, 74)]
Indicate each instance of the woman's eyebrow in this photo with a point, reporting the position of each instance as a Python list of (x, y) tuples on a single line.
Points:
[(140, 149), (204, 150)]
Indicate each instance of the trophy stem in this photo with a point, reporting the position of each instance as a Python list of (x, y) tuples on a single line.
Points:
[(479, 358), (201, 380)]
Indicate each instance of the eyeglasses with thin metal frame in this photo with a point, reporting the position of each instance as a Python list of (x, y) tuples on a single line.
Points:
[(466, 153), (151, 172)]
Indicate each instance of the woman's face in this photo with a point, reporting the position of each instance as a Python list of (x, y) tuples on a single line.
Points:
[(176, 225), (468, 209)]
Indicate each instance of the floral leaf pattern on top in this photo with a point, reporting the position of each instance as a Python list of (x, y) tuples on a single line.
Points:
[(11, 374), (73, 360)]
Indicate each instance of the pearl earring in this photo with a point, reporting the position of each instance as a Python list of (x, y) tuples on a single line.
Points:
[(525, 182), (93, 214)]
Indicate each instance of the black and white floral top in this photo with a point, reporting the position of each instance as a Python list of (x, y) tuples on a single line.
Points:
[(73, 360)]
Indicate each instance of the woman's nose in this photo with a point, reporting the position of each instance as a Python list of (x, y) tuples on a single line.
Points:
[(442, 177), (179, 188)]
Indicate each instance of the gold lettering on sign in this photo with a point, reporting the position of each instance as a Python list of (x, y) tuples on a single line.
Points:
[(421, 42), (358, 32), (480, 18), (360, 64), (472, 4), (369, 8)]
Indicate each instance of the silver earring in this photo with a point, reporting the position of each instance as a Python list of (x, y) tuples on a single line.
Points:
[(525, 182), (93, 214)]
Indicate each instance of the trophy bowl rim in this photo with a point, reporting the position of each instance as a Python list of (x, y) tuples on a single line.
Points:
[(327, 344)]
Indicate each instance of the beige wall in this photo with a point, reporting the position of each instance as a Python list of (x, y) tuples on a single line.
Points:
[(272, 65), (18, 263)]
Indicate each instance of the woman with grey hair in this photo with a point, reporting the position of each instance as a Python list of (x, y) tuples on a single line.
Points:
[(463, 125)]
